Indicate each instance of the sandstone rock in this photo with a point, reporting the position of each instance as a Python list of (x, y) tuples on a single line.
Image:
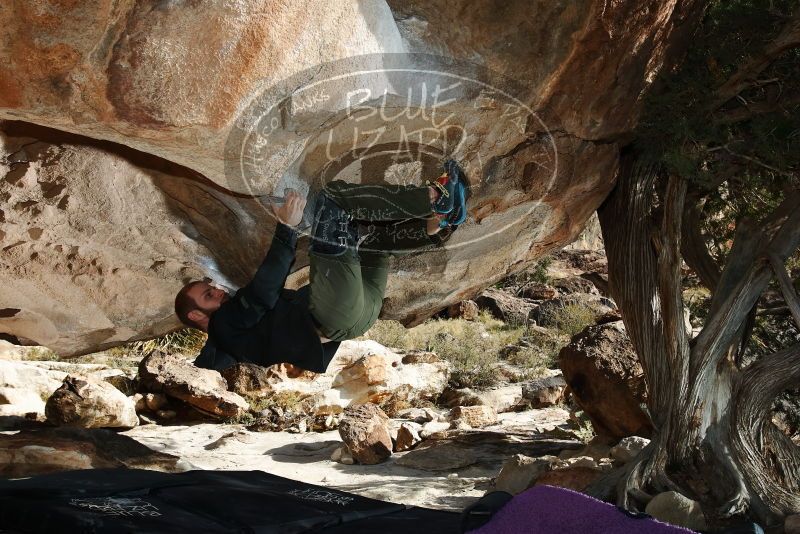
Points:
[(433, 427), (544, 392), (417, 415), (365, 371), (407, 437), (32, 452), (466, 309), (139, 403), (205, 389), (520, 472), (572, 477), (504, 306), (364, 429), (251, 379), (627, 449), (421, 356), (29, 378), (597, 449), (473, 416), (606, 380), (537, 291), (791, 524), (582, 461), (155, 401), (438, 456), (83, 403), (19, 402), (672, 507), (100, 72), (574, 284)]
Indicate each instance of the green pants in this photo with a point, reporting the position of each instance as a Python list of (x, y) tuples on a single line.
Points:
[(346, 293)]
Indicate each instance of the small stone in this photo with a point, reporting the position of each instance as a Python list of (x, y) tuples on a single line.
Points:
[(139, 402), (336, 455), (466, 309), (407, 437), (627, 449), (520, 472), (166, 414), (302, 426), (433, 427), (417, 415), (474, 416), (155, 401), (582, 461), (365, 430), (347, 460), (145, 420), (452, 476), (672, 507), (420, 356)]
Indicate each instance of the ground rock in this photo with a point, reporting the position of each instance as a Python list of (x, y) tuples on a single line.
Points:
[(544, 392), (505, 306), (575, 284), (365, 430), (251, 379), (473, 416), (38, 451), (155, 401), (466, 309), (571, 477), (672, 507), (19, 402), (606, 380), (407, 437), (84, 403), (205, 389), (433, 427), (520, 472), (420, 356), (417, 415), (627, 449), (537, 291)]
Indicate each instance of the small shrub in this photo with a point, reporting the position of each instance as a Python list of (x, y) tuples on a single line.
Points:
[(573, 318), (389, 334), (40, 354), (185, 341)]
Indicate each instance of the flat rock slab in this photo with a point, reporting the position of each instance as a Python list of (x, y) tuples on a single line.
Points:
[(457, 449), (36, 451)]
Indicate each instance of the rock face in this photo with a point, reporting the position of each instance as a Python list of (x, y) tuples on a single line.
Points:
[(504, 306), (544, 392), (473, 416), (672, 507), (204, 389), (606, 380), (87, 404), (364, 429), (114, 231)]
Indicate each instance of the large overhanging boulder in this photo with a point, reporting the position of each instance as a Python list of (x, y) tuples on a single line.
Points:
[(224, 102)]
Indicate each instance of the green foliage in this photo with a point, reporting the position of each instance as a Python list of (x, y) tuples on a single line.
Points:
[(573, 318), (40, 354), (536, 273), (742, 153)]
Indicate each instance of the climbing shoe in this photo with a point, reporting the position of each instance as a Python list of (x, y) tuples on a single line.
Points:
[(446, 185), (459, 212)]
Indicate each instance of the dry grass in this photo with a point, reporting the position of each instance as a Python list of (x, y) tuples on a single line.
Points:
[(473, 348)]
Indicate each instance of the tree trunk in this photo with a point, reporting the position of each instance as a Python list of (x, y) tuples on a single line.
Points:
[(713, 437)]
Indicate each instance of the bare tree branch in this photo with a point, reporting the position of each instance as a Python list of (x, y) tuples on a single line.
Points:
[(754, 109), (694, 248), (787, 288), (746, 74), (743, 280)]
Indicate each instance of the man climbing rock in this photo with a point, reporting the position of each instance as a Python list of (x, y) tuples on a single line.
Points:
[(355, 230)]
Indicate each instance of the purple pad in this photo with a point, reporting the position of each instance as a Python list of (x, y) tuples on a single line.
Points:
[(550, 510)]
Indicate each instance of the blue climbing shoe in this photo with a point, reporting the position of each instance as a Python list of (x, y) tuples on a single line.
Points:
[(446, 185), (459, 213)]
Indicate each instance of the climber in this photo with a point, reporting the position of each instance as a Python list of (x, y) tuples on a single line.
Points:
[(355, 229)]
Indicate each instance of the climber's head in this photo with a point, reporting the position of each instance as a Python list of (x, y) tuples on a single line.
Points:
[(196, 302)]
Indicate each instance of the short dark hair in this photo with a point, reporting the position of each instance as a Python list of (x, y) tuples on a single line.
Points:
[(185, 304)]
